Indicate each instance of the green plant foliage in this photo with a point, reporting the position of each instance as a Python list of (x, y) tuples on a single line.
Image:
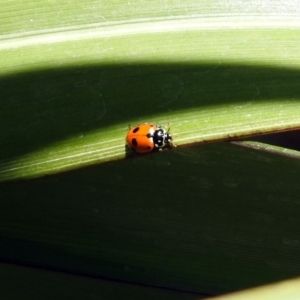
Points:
[(70, 85), (65, 117), (208, 219), (32, 283)]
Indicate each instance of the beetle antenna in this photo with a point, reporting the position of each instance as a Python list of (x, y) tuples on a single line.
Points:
[(169, 127)]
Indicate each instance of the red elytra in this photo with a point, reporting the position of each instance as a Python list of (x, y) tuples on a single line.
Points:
[(145, 138)]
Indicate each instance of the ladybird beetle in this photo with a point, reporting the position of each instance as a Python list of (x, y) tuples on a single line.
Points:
[(145, 138)]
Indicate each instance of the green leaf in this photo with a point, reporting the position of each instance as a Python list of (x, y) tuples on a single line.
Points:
[(69, 91), (29, 283), (269, 148), (209, 219), (287, 289)]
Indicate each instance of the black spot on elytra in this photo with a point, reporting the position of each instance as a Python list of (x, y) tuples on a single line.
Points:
[(134, 142), (136, 129)]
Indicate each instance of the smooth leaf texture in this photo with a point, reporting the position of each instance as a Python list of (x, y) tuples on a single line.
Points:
[(32, 283), (209, 219), (70, 91), (289, 289)]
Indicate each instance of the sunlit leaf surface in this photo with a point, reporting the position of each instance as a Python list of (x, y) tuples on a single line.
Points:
[(207, 219)]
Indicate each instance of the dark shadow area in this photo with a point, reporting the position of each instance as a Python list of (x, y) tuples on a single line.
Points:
[(129, 153), (290, 139), (43, 107), (208, 219), (44, 285)]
